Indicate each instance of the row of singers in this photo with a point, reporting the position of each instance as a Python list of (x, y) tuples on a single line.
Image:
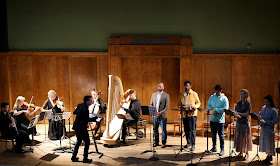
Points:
[(218, 102)]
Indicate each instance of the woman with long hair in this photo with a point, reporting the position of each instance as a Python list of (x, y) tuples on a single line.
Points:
[(268, 118), (242, 138)]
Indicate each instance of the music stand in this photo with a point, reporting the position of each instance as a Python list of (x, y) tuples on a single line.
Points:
[(91, 115), (230, 113), (60, 117), (153, 113), (33, 123), (47, 115), (145, 111), (207, 151), (181, 149), (255, 117)]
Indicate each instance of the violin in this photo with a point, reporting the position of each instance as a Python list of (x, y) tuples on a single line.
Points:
[(26, 105), (57, 101)]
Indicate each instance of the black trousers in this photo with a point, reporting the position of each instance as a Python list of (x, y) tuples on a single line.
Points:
[(190, 129), (21, 137), (80, 137), (127, 123)]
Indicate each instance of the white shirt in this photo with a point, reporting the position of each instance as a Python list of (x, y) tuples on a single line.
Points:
[(158, 99)]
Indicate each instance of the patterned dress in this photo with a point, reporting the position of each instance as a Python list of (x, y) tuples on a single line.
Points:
[(242, 138), (267, 137)]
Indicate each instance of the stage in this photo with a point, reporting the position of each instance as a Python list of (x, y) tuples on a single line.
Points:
[(129, 154)]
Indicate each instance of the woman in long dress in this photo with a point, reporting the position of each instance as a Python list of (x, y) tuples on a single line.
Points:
[(268, 118), (242, 138), (22, 121), (56, 126)]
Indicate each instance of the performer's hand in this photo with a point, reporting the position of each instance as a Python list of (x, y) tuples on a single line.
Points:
[(158, 114)]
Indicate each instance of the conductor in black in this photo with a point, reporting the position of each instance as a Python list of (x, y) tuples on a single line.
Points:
[(80, 127)]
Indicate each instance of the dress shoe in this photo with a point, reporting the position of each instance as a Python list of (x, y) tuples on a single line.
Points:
[(187, 145), (163, 145), (87, 160), (213, 150), (75, 159), (193, 148), (246, 156), (155, 144), (222, 152), (266, 162)]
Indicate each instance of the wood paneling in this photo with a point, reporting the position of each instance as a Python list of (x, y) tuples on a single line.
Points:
[(84, 77), (141, 67), (4, 81)]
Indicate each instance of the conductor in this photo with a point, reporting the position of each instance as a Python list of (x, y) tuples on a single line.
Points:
[(80, 127)]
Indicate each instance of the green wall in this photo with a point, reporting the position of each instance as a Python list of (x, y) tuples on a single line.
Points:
[(86, 25)]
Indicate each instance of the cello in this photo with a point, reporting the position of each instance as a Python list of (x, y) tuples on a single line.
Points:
[(94, 108)]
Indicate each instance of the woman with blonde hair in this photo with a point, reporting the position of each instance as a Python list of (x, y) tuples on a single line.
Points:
[(55, 127), (22, 121), (242, 138)]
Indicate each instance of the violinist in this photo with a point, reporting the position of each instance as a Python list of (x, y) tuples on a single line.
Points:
[(21, 107), (55, 127), (98, 103), (9, 129)]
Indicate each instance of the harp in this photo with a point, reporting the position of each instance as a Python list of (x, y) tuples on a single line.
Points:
[(114, 115)]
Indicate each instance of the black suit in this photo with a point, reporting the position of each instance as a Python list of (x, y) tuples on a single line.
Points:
[(10, 132), (80, 127)]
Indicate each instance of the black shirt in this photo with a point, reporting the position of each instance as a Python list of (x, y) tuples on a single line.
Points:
[(134, 109)]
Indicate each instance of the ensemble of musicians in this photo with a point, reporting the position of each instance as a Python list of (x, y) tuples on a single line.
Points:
[(14, 124)]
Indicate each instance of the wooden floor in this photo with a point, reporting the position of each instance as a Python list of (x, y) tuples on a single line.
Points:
[(123, 154)]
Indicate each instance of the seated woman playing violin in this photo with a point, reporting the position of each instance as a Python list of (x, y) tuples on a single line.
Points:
[(21, 107), (56, 105)]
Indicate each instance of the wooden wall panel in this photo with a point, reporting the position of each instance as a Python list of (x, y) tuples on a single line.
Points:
[(218, 71), (4, 81), (84, 77), (197, 80), (151, 73), (21, 80), (171, 79), (132, 75), (261, 74)]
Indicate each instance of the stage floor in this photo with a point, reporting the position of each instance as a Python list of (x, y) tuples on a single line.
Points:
[(129, 154)]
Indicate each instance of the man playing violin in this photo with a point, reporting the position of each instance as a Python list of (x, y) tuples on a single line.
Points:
[(55, 127), (9, 130), (189, 97), (22, 122)]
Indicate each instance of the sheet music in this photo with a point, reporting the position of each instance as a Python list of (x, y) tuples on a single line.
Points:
[(66, 115), (152, 110)]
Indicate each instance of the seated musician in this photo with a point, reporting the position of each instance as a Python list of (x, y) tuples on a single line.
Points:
[(21, 120), (97, 101), (134, 111), (9, 130), (55, 127), (80, 127)]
